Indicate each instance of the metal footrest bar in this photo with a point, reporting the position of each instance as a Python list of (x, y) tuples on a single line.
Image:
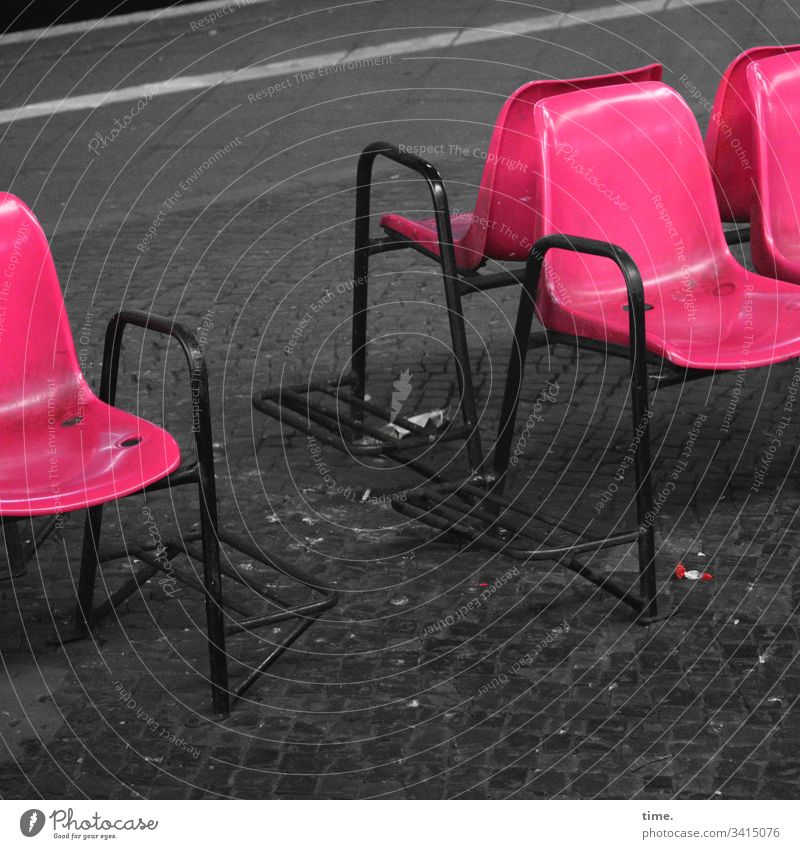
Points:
[(276, 652), (356, 426), (235, 575), (125, 590), (444, 509), (190, 581), (305, 612), (146, 556)]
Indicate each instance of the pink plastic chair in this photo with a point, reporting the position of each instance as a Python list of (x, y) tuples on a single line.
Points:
[(698, 293), (63, 449), (774, 85), (502, 227), (625, 166), (729, 139), (507, 205)]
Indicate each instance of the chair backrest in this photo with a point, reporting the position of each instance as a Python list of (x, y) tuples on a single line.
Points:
[(626, 164), (774, 85), (38, 365), (729, 139), (507, 206)]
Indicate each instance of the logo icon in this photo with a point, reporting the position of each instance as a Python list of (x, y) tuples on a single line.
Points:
[(402, 389), (31, 822)]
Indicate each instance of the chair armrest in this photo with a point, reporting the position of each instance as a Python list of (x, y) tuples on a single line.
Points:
[(195, 358), (415, 163), (623, 261), (527, 306)]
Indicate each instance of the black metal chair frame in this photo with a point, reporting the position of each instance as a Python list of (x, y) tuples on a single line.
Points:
[(201, 472), (18, 553), (482, 515), (294, 405)]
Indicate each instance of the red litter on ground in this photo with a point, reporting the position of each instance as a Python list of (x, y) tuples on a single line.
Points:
[(682, 572)]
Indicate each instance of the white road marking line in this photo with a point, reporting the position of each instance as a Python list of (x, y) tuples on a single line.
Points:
[(450, 38), (562, 20), (79, 27)]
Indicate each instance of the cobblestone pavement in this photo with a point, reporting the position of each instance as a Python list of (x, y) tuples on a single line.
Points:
[(442, 672)]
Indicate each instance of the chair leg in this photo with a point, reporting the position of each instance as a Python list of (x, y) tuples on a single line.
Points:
[(644, 497), (360, 292), (212, 572), (458, 334), (90, 561), (516, 371)]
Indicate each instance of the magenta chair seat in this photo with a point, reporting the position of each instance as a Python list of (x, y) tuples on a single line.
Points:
[(774, 86), (61, 448), (735, 320), (729, 139), (56, 468), (507, 206), (649, 190), (467, 248)]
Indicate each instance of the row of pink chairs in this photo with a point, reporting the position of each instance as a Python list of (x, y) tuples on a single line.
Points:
[(751, 122), (616, 179), (625, 171), (625, 200)]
